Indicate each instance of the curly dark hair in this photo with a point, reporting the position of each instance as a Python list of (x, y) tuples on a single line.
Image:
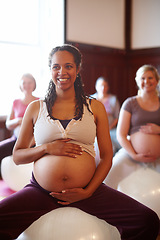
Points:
[(78, 85)]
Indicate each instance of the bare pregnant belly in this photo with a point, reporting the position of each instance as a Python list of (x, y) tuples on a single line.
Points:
[(146, 143), (56, 173)]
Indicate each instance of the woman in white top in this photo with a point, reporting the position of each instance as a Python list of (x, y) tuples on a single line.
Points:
[(65, 174)]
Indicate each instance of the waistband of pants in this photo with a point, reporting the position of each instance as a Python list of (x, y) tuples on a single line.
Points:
[(36, 184)]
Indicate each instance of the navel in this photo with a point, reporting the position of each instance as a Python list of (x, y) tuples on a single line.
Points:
[(65, 178)]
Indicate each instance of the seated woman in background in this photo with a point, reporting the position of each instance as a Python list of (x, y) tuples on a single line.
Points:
[(112, 107), (14, 119), (138, 129)]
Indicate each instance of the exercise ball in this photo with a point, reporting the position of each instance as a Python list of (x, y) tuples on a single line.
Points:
[(15, 176), (144, 186), (69, 223)]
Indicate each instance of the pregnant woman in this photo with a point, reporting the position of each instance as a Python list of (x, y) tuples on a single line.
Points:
[(65, 125), (138, 129)]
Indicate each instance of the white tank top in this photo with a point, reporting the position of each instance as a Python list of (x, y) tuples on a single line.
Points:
[(82, 132)]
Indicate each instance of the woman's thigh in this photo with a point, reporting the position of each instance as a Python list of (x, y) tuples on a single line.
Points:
[(129, 216), (21, 209)]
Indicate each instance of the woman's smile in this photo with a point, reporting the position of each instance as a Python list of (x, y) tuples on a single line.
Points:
[(62, 79)]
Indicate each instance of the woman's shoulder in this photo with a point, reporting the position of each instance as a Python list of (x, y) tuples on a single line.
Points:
[(17, 100), (94, 101), (112, 96), (113, 99), (130, 99), (17, 103), (98, 110), (129, 103), (96, 105), (34, 105), (33, 109)]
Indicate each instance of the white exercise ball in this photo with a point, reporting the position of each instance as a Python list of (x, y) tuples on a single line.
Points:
[(15, 176), (69, 223), (144, 186)]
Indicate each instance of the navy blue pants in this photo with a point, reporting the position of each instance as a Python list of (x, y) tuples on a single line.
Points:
[(133, 220)]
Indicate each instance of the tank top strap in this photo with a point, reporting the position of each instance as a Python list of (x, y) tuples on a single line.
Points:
[(42, 108), (89, 103)]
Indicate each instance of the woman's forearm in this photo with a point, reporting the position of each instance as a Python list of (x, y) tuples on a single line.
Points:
[(126, 144), (28, 155), (101, 172), (12, 124)]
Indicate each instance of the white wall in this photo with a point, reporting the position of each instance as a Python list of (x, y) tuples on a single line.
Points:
[(101, 22), (97, 22), (145, 24)]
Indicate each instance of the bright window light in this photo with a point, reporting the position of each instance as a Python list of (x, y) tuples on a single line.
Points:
[(29, 30)]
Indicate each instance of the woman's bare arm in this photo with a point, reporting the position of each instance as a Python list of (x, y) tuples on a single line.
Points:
[(11, 121), (105, 146), (23, 153)]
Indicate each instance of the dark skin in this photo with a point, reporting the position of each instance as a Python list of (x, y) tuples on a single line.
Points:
[(64, 72)]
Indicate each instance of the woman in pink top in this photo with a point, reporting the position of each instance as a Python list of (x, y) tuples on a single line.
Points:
[(14, 119)]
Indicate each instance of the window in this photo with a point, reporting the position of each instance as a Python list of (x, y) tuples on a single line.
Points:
[(29, 30)]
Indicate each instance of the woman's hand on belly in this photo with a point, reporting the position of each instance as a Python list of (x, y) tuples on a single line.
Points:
[(68, 196), (150, 128), (140, 157), (62, 147), (57, 173), (146, 146)]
